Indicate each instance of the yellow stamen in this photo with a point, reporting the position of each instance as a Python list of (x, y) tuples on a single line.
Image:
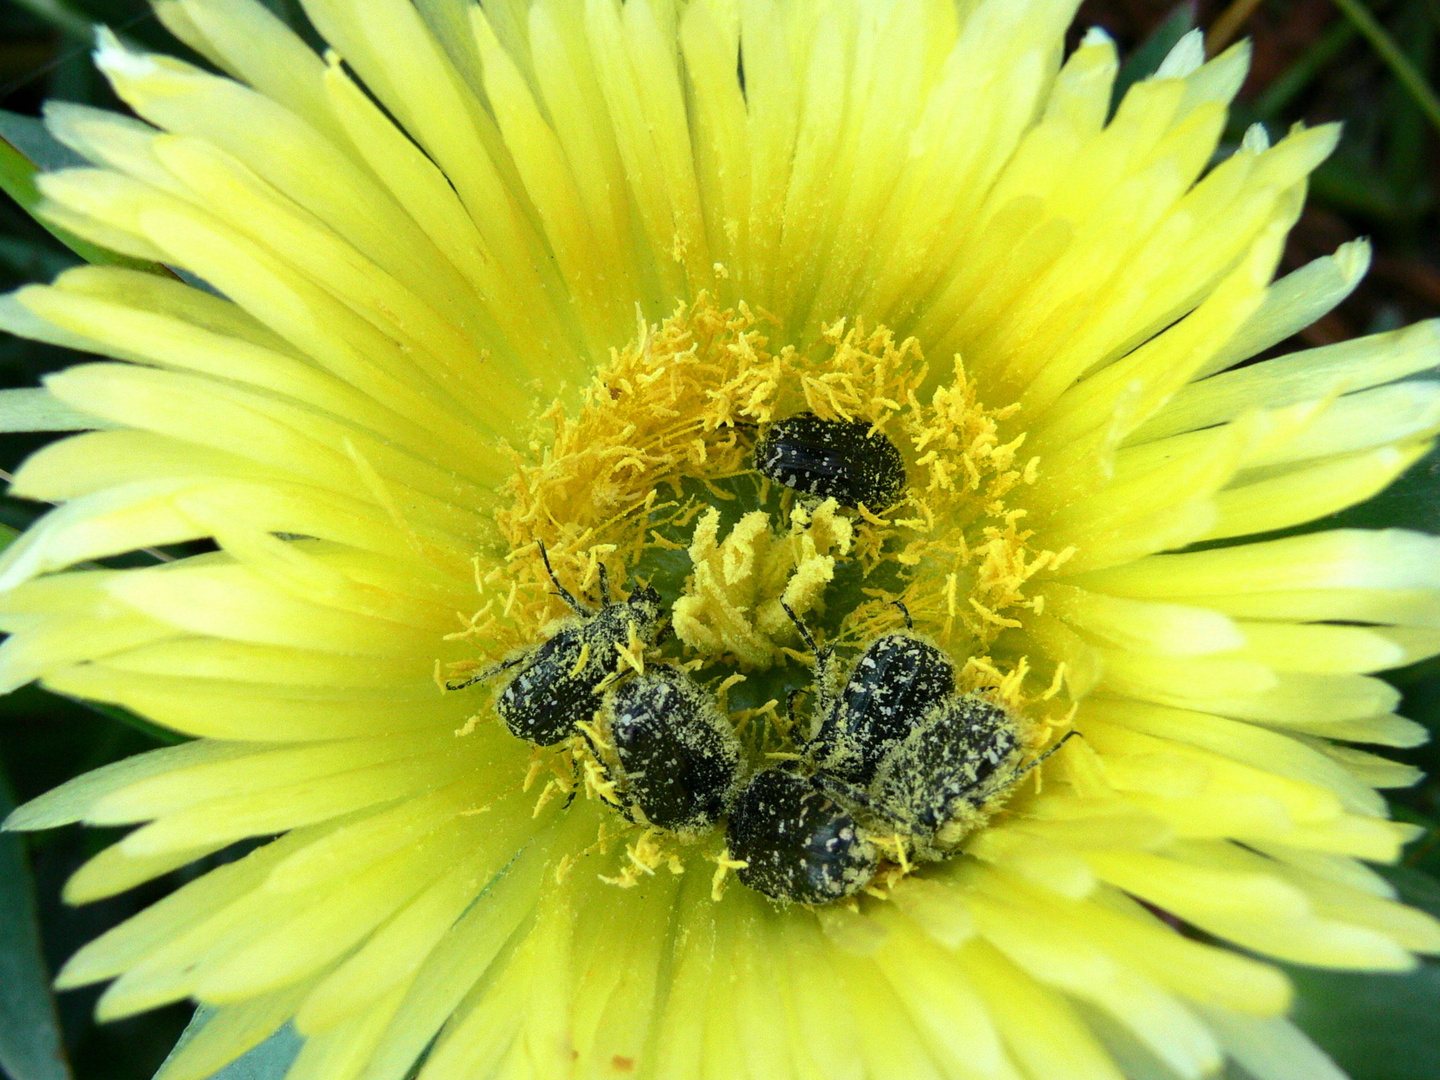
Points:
[(583, 658), (723, 864)]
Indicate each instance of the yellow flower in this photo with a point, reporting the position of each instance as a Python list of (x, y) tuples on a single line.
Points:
[(483, 279)]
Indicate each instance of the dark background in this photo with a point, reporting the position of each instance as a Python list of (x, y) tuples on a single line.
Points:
[(1366, 62)]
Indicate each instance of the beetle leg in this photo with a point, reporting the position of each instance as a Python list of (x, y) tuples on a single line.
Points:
[(560, 590), (822, 656), (575, 787), (843, 791), (594, 750), (800, 626), (790, 706)]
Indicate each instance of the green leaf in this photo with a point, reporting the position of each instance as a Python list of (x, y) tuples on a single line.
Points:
[(23, 258), (268, 1061), (1376, 1027), (1412, 79), (1411, 502), (33, 139), (30, 1044), (63, 16), (1348, 182), (1146, 59), (1414, 887), (25, 148), (1294, 80)]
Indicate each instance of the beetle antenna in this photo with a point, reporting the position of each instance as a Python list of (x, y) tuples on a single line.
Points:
[(481, 676), (604, 586), (909, 622), (560, 590), (1072, 733)]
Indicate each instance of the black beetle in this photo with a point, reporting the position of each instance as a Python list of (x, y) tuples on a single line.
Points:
[(559, 679), (931, 784), (679, 760), (796, 842), (844, 460), (896, 681)]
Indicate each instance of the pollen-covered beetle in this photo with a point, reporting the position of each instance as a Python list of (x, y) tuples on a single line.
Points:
[(679, 760), (559, 679), (931, 785), (796, 842), (903, 752), (897, 680), (942, 782), (844, 460)]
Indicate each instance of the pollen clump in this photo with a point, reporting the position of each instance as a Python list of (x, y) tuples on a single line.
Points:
[(733, 602), (966, 551)]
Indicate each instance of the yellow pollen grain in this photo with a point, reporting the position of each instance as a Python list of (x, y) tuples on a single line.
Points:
[(723, 865), (722, 692), (536, 766), (581, 660), (468, 728), (1061, 671), (633, 654), (553, 787)]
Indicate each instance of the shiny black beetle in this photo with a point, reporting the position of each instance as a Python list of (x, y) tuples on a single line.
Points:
[(560, 680), (896, 681), (798, 845), (844, 460), (679, 761)]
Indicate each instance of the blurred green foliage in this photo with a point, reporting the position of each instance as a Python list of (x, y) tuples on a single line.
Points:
[(1370, 63)]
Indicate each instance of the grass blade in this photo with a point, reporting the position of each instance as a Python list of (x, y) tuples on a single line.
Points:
[(30, 1044), (1395, 59)]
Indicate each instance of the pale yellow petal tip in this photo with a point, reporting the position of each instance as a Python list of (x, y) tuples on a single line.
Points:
[(1353, 258), (79, 971), (1256, 139), (114, 58), (1407, 832), (1184, 58), (39, 813)]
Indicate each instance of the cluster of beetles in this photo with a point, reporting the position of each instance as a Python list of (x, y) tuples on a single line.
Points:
[(896, 751)]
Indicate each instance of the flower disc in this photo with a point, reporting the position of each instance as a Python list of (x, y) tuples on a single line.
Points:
[(486, 277)]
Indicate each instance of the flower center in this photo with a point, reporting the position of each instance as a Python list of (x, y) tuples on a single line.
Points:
[(653, 482)]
